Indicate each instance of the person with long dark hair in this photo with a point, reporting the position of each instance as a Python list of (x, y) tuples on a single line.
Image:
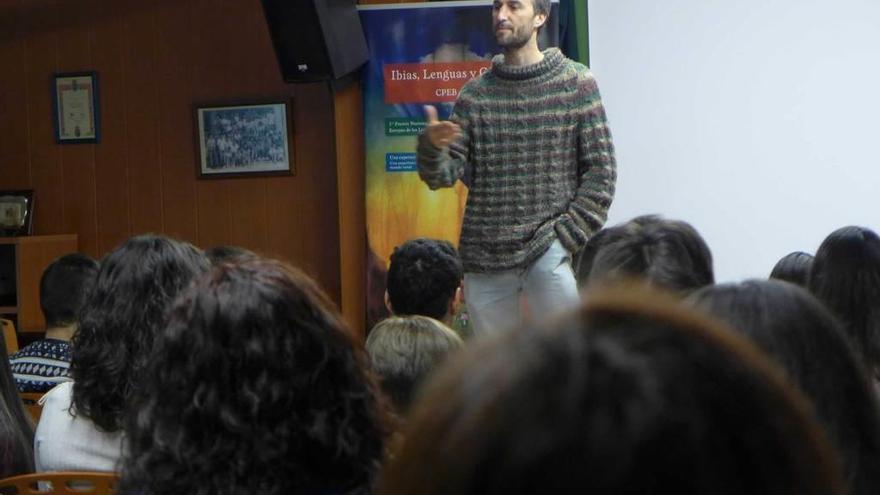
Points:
[(630, 394), (797, 331), (81, 424), (255, 387), (846, 277), (16, 428)]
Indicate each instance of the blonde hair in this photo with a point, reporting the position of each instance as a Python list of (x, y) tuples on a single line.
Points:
[(404, 349)]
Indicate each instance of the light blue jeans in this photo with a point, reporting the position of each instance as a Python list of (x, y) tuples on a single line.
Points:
[(494, 300)]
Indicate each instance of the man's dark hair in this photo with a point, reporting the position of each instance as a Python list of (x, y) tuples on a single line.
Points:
[(793, 267), (65, 287), (423, 277), (846, 277), (541, 7), (795, 329), (667, 253)]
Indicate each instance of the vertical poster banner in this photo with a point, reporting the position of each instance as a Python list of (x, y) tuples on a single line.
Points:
[(420, 54)]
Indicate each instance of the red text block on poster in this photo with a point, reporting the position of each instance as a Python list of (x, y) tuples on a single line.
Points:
[(429, 83)]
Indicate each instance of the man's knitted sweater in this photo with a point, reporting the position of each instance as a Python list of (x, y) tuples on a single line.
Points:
[(537, 157)]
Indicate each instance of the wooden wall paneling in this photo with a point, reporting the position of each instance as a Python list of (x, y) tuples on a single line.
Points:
[(78, 160), (215, 75), (254, 63), (213, 82), (111, 155), (155, 61), (302, 209), (142, 119), (13, 98), (174, 38), (213, 210), (317, 216), (284, 211), (247, 213), (41, 56), (248, 78), (351, 187)]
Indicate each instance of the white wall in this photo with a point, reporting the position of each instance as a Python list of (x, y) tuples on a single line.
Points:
[(758, 121)]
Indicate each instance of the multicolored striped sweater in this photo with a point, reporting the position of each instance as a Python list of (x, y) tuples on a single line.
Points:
[(537, 157)]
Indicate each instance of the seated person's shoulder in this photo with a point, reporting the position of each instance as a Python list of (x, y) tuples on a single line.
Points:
[(41, 365), (60, 394)]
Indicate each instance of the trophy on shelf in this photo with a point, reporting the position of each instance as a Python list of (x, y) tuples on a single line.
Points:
[(16, 212)]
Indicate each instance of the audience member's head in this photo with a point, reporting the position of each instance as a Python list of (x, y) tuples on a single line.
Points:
[(134, 289), (669, 254), (793, 267), (278, 399), (630, 394), (228, 254), (587, 256), (16, 428), (607, 235), (846, 277), (424, 279), (404, 349), (64, 288), (800, 334)]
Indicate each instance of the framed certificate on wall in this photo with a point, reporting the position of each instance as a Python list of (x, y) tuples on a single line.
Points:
[(75, 96)]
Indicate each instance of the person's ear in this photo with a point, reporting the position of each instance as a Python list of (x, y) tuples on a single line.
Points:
[(539, 21), (388, 303), (456, 301)]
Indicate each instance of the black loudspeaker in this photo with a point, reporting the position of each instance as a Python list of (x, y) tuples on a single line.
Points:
[(316, 40)]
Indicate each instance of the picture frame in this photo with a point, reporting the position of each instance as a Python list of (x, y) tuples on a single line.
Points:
[(16, 212), (243, 139), (75, 107)]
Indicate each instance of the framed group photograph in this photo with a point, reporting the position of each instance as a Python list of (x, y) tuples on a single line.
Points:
[(16, 212), (75, 98), (240, 140)]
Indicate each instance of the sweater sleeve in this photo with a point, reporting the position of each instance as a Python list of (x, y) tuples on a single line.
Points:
[(597, 172), (442, 168)]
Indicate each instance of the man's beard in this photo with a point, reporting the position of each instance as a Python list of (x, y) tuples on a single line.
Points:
[(515, 39)]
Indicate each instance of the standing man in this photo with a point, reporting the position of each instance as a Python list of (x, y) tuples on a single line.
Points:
[(530, 140)]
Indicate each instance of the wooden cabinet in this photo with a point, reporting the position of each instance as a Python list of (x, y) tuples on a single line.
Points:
[(22, 262)]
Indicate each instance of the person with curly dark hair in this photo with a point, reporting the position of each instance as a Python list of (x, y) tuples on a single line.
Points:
[(228, 253), (277, 400), (630, 394), (81, 425), (424, 278)]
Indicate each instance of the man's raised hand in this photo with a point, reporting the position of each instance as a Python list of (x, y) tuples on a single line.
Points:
[(440, 133)]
